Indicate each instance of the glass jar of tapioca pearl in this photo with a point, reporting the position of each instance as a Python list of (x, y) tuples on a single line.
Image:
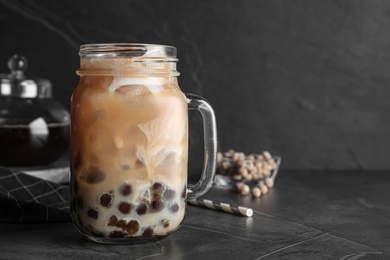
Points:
[(129, 144)]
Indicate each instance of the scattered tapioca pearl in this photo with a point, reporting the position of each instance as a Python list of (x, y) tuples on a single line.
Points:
[(269, 182), (147, 232), (125, 207), (126, 189), (93, 214), (174, 208), (165, 223), (256, 192), (141, 209), (169, 194), (157, 205), (264, 188), (105, 199), (117, 234), (245, 189), (112, 221)]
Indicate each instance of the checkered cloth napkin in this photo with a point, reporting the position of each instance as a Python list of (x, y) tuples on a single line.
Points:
[(25, 198)]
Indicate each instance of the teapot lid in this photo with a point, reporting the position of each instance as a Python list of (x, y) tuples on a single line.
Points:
[(16, 84)]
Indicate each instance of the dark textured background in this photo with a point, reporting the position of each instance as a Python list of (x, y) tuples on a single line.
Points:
[(307, 80)]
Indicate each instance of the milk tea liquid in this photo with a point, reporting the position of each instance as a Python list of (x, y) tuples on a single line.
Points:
[(129, 149)]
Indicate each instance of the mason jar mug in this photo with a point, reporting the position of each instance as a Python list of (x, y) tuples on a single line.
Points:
[(129, 144)]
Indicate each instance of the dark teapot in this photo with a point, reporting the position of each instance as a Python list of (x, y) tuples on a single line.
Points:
[(34, 127)]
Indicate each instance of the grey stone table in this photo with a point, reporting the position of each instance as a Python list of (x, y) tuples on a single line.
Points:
[(308, 215)]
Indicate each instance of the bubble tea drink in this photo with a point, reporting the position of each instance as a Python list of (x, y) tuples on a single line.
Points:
[(129, 144)]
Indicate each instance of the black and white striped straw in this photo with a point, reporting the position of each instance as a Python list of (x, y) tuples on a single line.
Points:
[(237, 210)]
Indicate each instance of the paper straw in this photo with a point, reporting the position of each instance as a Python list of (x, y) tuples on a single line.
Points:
[(237, 210)]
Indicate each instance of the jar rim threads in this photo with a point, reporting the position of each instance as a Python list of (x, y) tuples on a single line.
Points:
[(155, 51), (150, 59)]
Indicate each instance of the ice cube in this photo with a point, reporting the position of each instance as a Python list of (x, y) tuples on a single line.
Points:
[(39, 127), (151, 84), (133, 91)]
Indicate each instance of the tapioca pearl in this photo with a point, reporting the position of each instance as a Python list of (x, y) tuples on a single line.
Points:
[(157, 188), (117, 234), (106, 199), (174, 208), (92, 213), (157, 196), (113, 220), (147, 232), (126, 189), (141, 208), (269, 182), (93, 175), (132, 227), (125, 207), (169, 194), (121, 224), (157, 205), (165, 223)]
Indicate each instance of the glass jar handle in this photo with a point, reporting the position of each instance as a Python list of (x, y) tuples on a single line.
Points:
[(198, 103)]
